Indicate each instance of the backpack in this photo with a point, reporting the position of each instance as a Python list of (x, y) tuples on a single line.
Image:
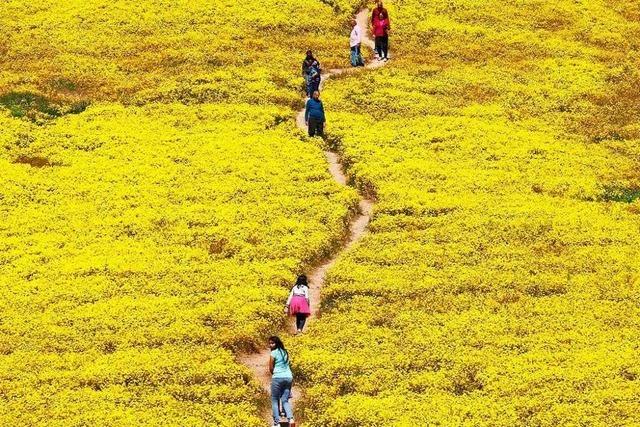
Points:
[(314, 71)]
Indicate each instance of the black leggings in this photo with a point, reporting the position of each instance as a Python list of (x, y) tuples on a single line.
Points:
[(382, 46), (301, 319)]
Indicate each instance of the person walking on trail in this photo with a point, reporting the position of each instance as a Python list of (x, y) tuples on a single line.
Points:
[(314, 115), (355, 40), (281, 381), (298, 302), (381, 33), (311, 72), (375, 15)]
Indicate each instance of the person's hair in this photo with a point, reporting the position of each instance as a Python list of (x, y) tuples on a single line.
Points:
[(309, 54), (280, 346), (302, 279)]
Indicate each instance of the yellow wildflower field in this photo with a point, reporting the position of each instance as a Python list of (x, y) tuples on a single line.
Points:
[(153, 241), (499, 284), (155, 201)]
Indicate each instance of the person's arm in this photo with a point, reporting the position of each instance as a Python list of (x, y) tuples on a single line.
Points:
[(306, 120), (289, 299), (324, 120), (272, 364), (386, 14), (306, 295)]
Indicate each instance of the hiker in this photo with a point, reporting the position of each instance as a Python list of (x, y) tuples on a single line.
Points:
[(381, 33), (281, 381), (314, 115), (298, 302), (375, 15), (311, 72), (355, 41), (314, 78)]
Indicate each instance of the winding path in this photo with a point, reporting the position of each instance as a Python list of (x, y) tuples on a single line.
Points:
[(257, 362)]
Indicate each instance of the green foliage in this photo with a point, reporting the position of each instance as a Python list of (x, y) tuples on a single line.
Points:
[(34, 106), (618, 194)]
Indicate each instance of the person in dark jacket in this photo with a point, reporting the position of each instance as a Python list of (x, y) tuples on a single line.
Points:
[(311, 72), (307, 62), (314, 115)]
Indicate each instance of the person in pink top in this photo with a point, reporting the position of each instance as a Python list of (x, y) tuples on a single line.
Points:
[(381, 33), (298, 303)]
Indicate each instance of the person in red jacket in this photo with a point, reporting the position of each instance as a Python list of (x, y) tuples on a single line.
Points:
[(377, 11), (381, 33)]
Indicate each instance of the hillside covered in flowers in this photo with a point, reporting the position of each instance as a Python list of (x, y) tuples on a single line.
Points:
[(156, 200), (499, 283)]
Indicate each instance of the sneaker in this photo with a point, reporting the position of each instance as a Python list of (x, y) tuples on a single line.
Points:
[(386, 59), (292, 423)]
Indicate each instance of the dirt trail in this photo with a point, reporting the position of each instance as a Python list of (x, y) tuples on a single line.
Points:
[(363, 20), (257, 362)]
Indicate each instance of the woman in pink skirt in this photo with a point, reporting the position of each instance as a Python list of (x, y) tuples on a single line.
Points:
[(298, 302)]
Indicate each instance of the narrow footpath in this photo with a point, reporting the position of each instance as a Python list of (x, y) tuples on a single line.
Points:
[(257, 362)]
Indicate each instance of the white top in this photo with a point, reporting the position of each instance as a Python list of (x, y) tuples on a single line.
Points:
[(298, 291), (356, 36)]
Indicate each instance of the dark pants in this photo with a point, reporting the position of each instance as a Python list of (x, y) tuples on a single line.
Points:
[(382, 46), (316, 127), (301, 319)]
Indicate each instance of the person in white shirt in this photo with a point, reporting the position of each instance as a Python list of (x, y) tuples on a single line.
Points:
[(298, 303), (354, 42)]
